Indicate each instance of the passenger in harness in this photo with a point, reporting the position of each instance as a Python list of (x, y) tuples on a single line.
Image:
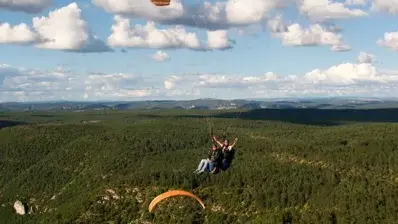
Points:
[(210, 164), (228, 152)]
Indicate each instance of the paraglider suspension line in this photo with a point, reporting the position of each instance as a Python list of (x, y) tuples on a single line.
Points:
[(228, 127)]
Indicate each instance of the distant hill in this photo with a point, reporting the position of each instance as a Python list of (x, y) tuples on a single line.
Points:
[(251, 106), (278, 106), (323, 103), (200, 108), (123, 106), (96, 106)]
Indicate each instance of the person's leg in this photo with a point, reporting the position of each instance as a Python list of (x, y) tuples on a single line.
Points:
[(201, 164), (225, 165), (205, 164), (210, 166)]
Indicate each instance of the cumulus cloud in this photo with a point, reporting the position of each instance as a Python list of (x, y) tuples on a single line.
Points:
[(142, 8), (342, 79), (185, 87), (296, 35), (109, 82), (19, 34), (160, 56), (29, 6), (390, 40), (6, 71), (277, 25), (149, 36), (171, 81), (63, 29), (341, 48), (243, 12), (30, 84), (366, 58), (18, 84), (389, 6), (209, 15), (345, 74), (225, 81), (218, 40), (322, 10), (356, 2)]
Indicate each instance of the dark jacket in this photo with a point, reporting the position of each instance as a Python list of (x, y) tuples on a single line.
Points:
[(228, 155), (215, 155)]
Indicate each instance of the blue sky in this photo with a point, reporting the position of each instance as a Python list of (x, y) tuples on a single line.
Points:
[(251, 48)]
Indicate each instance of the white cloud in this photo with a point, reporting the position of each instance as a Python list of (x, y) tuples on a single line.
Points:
[(142, 8), (218, 40), (148, 36), (366, 58), (18, 84), (345, 74), (171, 81), (341, 79), (321, 10), (243, 12), (277, 25), (356, 2), (215, 16), (64, 29), (29, 6), (341, 48), (29, 84), (185, 86), (361, 78), (389, 6), (137, 93), (7, 70), (109, 82), (296, 35), (160, 56), (19, 34), (225, 81), (390, 40)]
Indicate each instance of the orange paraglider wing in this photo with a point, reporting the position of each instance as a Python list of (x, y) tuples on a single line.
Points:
[(161, 2), (172, 193)]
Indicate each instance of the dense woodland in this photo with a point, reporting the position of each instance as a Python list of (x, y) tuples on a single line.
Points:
[(106, 167)]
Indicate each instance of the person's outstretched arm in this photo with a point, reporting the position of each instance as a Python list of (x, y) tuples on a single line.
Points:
[(218, 142), (233, 144)]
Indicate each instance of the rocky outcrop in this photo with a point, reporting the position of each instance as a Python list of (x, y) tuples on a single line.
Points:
[(19, 208)]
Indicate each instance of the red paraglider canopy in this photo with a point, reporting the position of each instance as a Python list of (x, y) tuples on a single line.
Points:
[(161, 2)]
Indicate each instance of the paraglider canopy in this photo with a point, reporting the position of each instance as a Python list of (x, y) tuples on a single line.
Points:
[(172, 193), (161, 2)]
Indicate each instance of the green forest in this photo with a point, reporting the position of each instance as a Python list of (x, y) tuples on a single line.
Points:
[(107, 166)]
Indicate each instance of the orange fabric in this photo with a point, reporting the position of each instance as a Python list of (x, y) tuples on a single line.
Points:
[(172, 193), (161, 2)]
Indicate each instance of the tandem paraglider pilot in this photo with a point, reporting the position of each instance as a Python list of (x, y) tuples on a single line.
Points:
[(219, 158), (227, 152)]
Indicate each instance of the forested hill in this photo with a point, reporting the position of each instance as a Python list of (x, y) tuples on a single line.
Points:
[(98, 167), (218, 104)]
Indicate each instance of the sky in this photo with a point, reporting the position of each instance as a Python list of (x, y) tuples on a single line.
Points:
[(129, 50)]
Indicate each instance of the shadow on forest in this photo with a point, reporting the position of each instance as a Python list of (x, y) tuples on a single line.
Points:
[(322, 117), (149, 116), (42, 115), (8, 123)]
